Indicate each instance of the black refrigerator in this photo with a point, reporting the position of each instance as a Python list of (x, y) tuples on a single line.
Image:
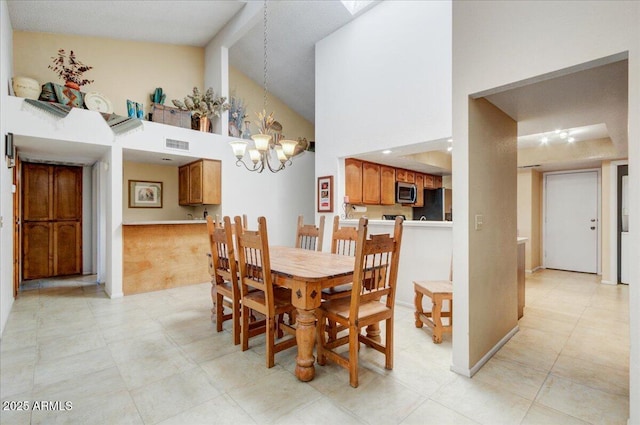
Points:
[(433, 209)]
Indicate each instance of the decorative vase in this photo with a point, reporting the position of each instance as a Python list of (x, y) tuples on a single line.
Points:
[(72, 85), (26, 87), (205, 124)]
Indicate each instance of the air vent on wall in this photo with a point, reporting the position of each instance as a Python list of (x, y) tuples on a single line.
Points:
[(176, 144), (529, 166)]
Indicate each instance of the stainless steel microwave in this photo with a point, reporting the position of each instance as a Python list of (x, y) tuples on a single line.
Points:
[(405, 193)]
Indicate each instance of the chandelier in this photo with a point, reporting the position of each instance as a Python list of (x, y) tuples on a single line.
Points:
[(268, 152)]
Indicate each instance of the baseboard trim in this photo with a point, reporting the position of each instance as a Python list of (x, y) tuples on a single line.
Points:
[(116, 295), (470, 372), (608, 282)]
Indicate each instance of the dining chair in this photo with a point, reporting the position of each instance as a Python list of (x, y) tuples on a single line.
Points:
[(374, 278), (225, 291), (308, 236), (343, 242), (259, 293), (224, 283), (219, 222)]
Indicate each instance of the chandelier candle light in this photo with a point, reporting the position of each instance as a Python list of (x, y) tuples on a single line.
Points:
[(265, 148)]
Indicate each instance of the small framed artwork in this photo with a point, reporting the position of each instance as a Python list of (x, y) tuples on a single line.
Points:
[(144, 194), (325, 194)]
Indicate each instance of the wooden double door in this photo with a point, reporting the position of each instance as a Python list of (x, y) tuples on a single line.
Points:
[(51, 220)]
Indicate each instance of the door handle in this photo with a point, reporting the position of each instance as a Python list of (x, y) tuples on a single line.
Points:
[(593, 220), (593, 227)]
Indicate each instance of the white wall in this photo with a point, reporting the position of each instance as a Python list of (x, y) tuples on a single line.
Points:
[(6, 180), (499, 43), (382, 81)]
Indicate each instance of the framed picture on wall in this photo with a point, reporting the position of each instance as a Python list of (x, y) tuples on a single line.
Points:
[(144, 194), (325, 194)]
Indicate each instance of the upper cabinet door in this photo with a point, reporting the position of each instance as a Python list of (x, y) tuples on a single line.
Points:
[(387, 185), (67, 193), (37, 202), (195, 183), (370, 183), (353, 180), (183, 185)]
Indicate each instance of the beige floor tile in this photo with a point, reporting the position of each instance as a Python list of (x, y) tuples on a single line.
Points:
[(321, 410), (130, 331), (75, 388), (533, 348), (76, 365), (141, 371), (512, 377), (614, 380), (17, 356), (539, 415), (16, 379), (419, 372), (175, 394), (483, 403), (20, 339), (598, 346), (432, 413), (219, 410), (588, 404), (237, 370), (273, 396), (50, 348), (118, 408), (365, 401), (18, 411), (211, 347)]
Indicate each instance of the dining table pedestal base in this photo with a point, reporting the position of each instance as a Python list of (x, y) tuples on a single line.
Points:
[(305, 336)]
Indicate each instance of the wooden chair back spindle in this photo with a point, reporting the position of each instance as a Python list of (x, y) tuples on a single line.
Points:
[(308, 236)]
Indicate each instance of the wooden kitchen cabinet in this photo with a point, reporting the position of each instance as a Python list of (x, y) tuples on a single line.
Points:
[(428, 181), (370, 183), (419, 190), (437, 182), (405, 176), (387, 185), (200, 183), (353, 180)]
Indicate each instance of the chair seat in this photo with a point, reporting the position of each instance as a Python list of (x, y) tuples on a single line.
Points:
[(430, 287), (438, 291), (281, 298), (340, 291), (340, 309)]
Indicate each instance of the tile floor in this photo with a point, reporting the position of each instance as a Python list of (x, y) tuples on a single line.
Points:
[(156, 359)]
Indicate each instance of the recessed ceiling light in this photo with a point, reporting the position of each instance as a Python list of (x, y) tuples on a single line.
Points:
[(450, 148), (450, 140), (386, 152), (571, 139), (544, 140)]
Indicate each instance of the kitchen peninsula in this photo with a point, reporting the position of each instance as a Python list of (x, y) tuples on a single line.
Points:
[(164, 254)]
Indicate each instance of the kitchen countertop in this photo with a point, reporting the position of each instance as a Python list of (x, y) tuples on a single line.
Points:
[(156, 222), (407, 223)]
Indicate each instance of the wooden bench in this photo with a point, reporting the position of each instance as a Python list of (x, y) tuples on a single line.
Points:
[(437, 290)]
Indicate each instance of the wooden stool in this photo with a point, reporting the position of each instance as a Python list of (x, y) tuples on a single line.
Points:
[(437, 290)]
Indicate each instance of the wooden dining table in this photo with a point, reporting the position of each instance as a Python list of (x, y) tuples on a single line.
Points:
[(306, 273)]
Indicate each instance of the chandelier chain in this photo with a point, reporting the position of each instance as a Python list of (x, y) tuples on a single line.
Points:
[(265, 56)]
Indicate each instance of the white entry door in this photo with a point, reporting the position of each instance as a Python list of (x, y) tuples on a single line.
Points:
[(571, 221)]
